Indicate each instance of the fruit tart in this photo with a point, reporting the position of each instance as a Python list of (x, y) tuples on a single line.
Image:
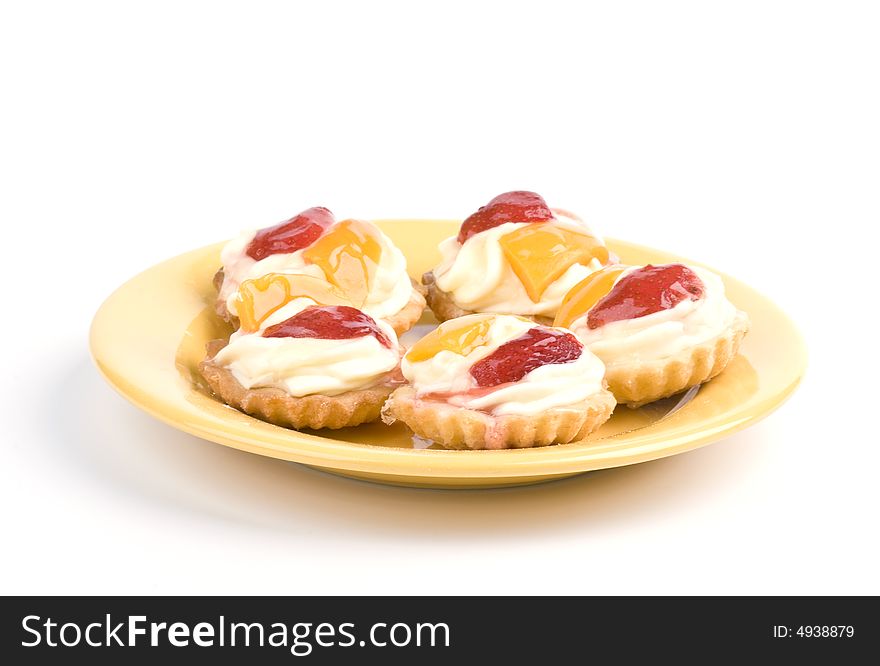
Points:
[(658, 329), (487, 381), (303, 358), (352, 255), (515, 255)]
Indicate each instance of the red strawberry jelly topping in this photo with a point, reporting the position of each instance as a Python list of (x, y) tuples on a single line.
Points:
[(519, 206), (334, 322), (296, 233), (646, 291), (513, 360)]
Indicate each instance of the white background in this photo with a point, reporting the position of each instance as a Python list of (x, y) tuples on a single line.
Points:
[(743, 134)]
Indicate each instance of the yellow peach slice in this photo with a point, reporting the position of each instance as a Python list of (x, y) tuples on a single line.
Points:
[(540, 253), (460, 336), (586, 293), (258, 298), (348, 254)]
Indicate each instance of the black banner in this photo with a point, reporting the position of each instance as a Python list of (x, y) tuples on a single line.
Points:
[(436, 629)]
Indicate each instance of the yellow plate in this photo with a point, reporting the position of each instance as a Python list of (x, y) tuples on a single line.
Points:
[(149, 335)]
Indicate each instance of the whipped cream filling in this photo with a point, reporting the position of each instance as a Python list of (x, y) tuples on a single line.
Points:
[(553, 386), (389, 292), (661, 334), (308, 366), (479, 278)]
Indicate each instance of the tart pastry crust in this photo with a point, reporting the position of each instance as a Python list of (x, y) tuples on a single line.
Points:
[(276, 406), (220, 304), (444, 308), (401, 321), (639, 383), (460, 428)]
